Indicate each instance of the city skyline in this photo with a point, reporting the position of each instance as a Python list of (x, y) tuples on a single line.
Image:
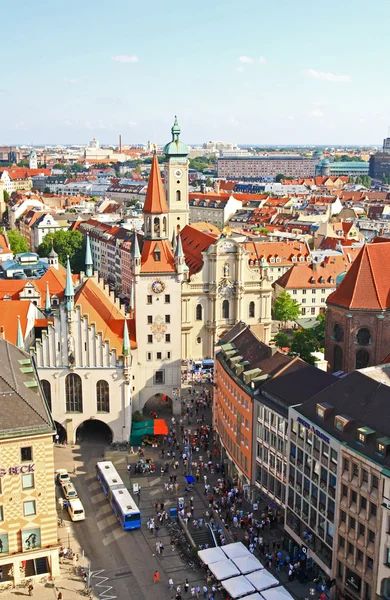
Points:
[(263, 76)]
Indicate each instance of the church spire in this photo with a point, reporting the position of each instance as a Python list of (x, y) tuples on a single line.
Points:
[(135, 252), (19, 337), (155, 201), (174, 243), (179, 248), (126, 340), (69, 288), (47, 299), (88, 258), (176, 131)]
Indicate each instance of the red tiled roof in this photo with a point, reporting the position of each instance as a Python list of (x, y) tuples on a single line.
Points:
[(207, 228), (283, 250), (313, 276), (101, 310), (9, 312), (194, 243), (166, 264), (155, 201), (367, 284)]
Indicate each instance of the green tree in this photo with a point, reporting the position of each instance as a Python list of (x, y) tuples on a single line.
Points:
[(302, 345), (209, 182), (65, 243), (23, 163), (6, 197), (17, 242), (319, 331), (77, 168), (264, 230), (285, 308), (282, 340)]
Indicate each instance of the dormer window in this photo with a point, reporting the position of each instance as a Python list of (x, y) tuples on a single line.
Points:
[(341, 422), (323, 410), (331, 280), (383, 445), (361, 437), (312, 280), (157, 254), (278, 260), (272, 259), (322, 280), (301, 259), (294, 259)]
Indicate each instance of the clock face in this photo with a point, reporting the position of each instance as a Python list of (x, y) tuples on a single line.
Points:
[(158, 286), (178, 173)]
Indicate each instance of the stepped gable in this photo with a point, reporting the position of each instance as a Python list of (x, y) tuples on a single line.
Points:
[(102, 310)]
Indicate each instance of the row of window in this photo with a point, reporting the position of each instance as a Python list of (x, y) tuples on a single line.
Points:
[(74, 394), (159, 356), (27, 481), (362, 338), (323, 291), (225, 310), (341, 571), (29, 509), (167, 338), (149, 299), (361, 475)]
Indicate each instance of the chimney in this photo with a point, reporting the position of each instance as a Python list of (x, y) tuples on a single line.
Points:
[(120, 144)]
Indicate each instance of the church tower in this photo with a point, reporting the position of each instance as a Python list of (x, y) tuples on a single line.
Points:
[(176, 181), (33, 160), (157, 277)]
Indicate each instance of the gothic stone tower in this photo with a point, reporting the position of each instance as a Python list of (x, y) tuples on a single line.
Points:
[(176, 182)]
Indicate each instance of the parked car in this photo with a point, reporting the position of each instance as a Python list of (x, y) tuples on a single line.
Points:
[(62, 476), (69, 491)]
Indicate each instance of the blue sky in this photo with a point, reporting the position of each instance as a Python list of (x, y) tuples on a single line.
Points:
[(251, 71)]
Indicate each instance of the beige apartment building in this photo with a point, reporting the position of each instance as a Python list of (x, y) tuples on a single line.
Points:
[(28, 518)]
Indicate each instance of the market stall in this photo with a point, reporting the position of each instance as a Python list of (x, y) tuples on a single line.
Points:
[(235, 550), (211, 555), (223, 569), (262, 580), (237, 587), (276, 593), (247, 564)]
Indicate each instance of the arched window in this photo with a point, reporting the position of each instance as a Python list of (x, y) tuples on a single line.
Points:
[(338, 333), (363, 336), (148, 231), (102, 396), (199, 312), (225, 309), (73, 393), (164, 225), (47, 391), (337, 359), (362, 359), (156, 226), (251, 312), (178, 195)]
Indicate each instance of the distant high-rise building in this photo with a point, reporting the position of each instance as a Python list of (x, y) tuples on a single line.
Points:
[(380, 162)]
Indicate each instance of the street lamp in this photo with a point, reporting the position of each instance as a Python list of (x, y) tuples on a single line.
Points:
[(68, 532)]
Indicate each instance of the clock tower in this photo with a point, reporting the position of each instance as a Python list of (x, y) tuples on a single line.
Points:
[(176, 181)]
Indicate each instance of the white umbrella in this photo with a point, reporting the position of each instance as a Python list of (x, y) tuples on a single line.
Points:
[(211, 555), (223, 569), (261, 580), (248, 564), (236, 549), (277, 593), (238, 586)]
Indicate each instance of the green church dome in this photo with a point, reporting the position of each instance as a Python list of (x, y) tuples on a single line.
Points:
[(176, 147)]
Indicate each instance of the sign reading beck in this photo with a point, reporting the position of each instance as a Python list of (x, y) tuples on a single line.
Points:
[(17, 470), (317, 432)]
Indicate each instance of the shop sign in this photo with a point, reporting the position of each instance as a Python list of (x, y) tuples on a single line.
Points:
[(316, 432), (354, 580), (17, 470)]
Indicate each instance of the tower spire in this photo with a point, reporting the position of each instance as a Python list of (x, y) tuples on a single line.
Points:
[(19, 336), (126, 340), (47, 299), (174, 243), (135, 251), (175, 130), (69, 288), (155, 201), (179, 248), (88, 258)]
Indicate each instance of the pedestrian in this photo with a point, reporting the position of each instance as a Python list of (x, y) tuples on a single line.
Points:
[(170, 583), (160, 548), (156, 577), (186, 586), (197, 591), (178, 589), (30, 589), (59, 597), (192, 591), (205, 590)]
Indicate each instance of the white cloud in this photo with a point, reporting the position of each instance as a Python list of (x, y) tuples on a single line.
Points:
[(290, 118), (240, 69), (316, 112), (262, 60), (125, 58), (246, 60), (321, 75), (70, 80), (362, 120), (132, 123)]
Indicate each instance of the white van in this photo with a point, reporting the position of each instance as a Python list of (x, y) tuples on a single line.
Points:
[(76, 510)]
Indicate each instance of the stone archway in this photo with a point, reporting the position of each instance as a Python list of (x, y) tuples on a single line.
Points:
[(61, 432), (158, 403), (94, 431)]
